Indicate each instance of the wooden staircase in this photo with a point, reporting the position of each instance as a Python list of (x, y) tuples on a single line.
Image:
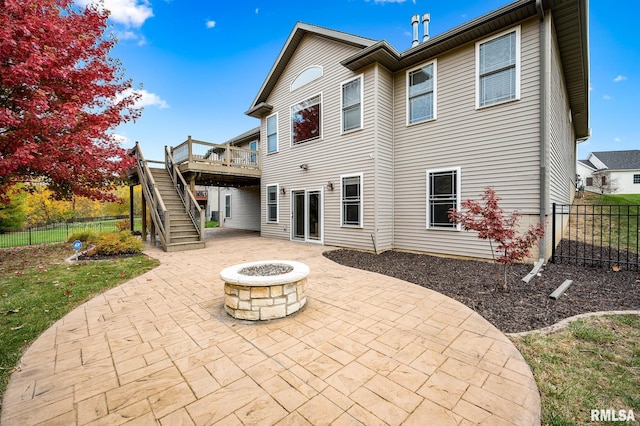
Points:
[(177, 220), (184, 234)]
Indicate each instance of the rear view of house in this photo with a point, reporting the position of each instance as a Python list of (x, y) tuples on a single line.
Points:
[(611, 172), (367, 147)]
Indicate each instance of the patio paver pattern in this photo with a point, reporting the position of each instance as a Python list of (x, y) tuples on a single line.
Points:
[(367, 349)]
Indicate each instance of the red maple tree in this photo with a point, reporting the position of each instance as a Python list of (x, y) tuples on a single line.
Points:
[(493, 224), (60, 95)]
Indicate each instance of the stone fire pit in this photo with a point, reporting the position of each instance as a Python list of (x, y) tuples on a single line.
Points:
[(264, 290)]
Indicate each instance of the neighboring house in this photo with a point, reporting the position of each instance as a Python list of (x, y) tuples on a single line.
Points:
[(615, 172), (366, 147)]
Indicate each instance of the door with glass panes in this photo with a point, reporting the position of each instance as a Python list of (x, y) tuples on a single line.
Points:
[(306, 215)]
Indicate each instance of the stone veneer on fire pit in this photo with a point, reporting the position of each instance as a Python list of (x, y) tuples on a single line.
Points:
[(264, 297)]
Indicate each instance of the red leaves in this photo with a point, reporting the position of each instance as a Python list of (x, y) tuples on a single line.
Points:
[(57, 99), (492, 223)]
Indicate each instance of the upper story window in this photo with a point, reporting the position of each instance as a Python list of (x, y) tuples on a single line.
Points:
[(306, 120), (351, 95), (421, 93), (443, 194), (307, 76), (498, 69), (272, 133)]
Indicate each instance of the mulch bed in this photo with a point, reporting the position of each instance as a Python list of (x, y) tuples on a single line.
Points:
[(523, 307)]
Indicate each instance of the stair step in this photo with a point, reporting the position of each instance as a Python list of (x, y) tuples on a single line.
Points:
[(185, 246)]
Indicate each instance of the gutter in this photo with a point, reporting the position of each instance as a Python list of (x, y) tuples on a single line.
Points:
[(543, 129)]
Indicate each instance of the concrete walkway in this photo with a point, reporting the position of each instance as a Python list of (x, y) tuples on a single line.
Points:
[(367, 349)]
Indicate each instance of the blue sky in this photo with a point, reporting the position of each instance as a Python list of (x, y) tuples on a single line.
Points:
[(202, 63)]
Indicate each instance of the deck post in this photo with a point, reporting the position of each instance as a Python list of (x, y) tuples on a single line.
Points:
[(144, 217), (131, 211)]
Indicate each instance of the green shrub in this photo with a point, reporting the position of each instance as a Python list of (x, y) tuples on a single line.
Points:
[(86, 235), (114, 243)]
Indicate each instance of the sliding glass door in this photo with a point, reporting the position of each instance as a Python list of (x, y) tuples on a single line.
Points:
[(306, 208)]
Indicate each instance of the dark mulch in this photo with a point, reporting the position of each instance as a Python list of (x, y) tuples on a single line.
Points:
[(524, 306)]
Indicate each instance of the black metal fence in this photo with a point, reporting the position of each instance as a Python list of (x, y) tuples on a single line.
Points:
[(56, 232), (597, 235)]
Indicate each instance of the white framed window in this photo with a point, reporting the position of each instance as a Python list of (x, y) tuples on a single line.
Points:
[(272, 203), (422, 93), (498, 68), (351, 99), (307, 76), (636, 178), (227, 206), (272, 133), (253, 146), (443, 194), (306, 120), (351, 200)]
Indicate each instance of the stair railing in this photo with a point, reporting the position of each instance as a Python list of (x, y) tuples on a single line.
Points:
[(187, 197), (159, 213)]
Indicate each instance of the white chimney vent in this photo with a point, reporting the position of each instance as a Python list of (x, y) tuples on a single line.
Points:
[(415, 22), (425, 21)]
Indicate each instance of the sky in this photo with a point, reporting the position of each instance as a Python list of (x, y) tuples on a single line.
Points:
[(200, 64)]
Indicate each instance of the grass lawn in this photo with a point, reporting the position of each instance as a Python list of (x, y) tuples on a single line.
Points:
[(37, 287), (211, 224), (594, 364)]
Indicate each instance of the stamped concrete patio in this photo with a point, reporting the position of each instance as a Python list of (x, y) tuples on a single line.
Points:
[(367, 349)]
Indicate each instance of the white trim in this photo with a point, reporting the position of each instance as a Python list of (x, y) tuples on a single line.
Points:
[(361, 212), (435, 93), (266, 125), (517, 31), (320, 94), (277, 203), (295, 80), (342, 130), (458, 171), (227, 202)]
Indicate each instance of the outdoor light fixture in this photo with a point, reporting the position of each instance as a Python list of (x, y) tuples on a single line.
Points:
[(330, 186), (283, 190), (304, 166)]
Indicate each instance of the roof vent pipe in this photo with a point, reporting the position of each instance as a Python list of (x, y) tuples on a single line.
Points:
[(415, 22), (425, 21)]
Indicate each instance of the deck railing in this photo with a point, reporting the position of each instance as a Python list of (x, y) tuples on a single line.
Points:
[(194, 151)]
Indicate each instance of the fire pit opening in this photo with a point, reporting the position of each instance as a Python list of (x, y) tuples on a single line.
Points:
[(264, 290)]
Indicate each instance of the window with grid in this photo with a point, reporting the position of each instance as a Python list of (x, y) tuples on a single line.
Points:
[(352, 105), (272, 133), (351, 200), (589, 181), (272, 203), (443, 194), (227, 206), (421, 94), (305, 121), (636, 178), (498, 69)]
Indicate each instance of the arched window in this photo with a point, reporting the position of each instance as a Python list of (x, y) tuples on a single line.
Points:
[(306, 76)]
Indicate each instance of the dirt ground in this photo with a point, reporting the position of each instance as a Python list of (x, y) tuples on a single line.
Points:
[(523, 306)]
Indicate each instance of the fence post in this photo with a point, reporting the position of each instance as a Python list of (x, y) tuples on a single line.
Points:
[(553, 232)]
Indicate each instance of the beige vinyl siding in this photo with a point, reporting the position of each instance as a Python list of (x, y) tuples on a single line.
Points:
[(494, 146), (245, 206), (335, 154), (562, 163)]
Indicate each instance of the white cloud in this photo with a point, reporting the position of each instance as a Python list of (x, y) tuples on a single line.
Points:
[(131, 13), (387, 1), (607, 97), (616, 139), (620, 78), (211, 24), (146, 99), (122, 140), (257, 10)]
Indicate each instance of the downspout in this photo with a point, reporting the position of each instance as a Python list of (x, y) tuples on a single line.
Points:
[(543, 129)]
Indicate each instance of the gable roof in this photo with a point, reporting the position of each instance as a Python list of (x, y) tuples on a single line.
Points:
[(620, 160), (588, 164), (570, 20), (259, 106)]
